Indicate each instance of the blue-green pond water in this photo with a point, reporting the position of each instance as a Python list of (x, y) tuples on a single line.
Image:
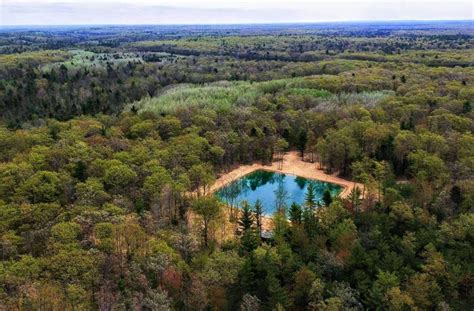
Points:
[(265, 186)]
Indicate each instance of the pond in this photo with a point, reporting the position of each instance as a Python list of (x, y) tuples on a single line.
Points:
[(271, 188)]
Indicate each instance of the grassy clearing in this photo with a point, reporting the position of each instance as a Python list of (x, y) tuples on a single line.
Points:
[(81, 59), (219, 95), (307, 92), (224, 95), (367, 99)]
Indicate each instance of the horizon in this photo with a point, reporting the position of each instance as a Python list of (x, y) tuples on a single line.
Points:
[(368, 22)]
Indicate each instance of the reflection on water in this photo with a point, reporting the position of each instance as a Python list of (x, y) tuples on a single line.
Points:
[(272, 189)]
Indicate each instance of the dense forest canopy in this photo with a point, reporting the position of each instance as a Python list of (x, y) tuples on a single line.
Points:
[(111, 137)]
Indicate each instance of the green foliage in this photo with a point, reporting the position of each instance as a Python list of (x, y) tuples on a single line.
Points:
[(310, 199), (295, 213), (258, 211), (118, 175), (65, 232), (107, 211), (246, 221), (327, 197), (220, 95), (209, 209), (250, 238), (43, 186)]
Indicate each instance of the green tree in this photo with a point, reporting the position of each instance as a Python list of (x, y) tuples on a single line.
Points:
[(91, 192), (280, 146), (154, 184), (327, 197), (118, 175), (355, 198), (296, 213), (65, 232), (310, 198), (201, 177), (209, 209), (339, 149), (249, 239), (80, 171), (310, 223), (43, 186), (429, 167), (385, 282), (303, 281), (246, 220), (258, 210)]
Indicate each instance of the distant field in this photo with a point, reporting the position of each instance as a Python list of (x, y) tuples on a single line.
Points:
[(426, 50), (81, 58), (87, 59), (37, 57)]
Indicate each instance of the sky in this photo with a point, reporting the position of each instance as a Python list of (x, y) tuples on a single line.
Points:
[(87, 12)]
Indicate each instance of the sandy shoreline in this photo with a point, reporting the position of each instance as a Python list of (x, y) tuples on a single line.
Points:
[(292, 165)]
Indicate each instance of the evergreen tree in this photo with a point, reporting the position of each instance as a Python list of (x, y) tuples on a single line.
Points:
[(258, 210), (80, 171), (249, 239), (246, 217), (296, 213), (301, 141), (310, 200), (277, 294), (247, 275), (327, 197), (354, 198), (280, 225), (310, 223)]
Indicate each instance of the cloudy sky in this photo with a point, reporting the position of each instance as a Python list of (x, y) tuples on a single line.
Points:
[(79, 12)]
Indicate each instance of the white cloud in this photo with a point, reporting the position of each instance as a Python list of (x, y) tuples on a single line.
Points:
[(60, 12)]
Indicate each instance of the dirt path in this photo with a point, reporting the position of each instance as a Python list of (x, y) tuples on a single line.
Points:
[(292, 164)]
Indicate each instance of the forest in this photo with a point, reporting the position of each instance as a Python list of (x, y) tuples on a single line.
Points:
[(111, 138)]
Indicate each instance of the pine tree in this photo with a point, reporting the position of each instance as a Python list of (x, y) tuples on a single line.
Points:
[(310, 200), (354, 197), (247, 275), (80, 171), (295, 213), (249, 240), (280, 225), (327, 197), (258, 210), (246, 217), (310, 223), (277, 294)]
